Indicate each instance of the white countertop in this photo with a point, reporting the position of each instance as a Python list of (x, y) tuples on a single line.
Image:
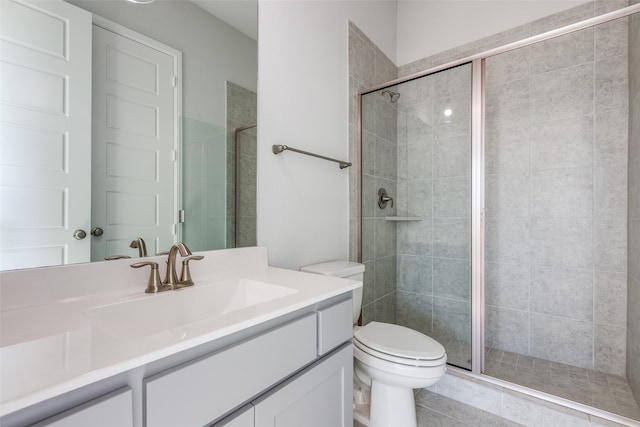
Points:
[(50, 344)]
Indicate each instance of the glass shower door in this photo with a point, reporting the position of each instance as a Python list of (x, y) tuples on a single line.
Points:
[(416, 146), (557, 187)]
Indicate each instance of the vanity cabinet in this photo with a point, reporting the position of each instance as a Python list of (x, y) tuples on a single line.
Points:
[(291, 370), (316, 346), (113, 409), (202, 391), (316, 397)]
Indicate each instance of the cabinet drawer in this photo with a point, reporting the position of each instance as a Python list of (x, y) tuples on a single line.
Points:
[(243, 417), (198, 393), (113, 409), (334, 326)]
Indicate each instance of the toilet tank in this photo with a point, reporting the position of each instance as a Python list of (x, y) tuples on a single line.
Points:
[(345, 270)]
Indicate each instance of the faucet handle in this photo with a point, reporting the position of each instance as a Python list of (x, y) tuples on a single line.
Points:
[(138, 243), (154, 284), (185, 273), (113, 257)]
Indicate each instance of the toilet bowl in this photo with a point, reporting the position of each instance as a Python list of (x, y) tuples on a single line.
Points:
[(393, 360), (389, 361)]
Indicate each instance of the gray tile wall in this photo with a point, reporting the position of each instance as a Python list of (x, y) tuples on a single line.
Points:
[(556, 199), (242, 107), (368, 66), (633, 277), (434, 185), (556, 189)]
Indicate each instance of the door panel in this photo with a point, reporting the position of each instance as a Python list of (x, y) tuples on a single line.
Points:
[(45, 129), (320, 397), (427, 166), (134, 124)]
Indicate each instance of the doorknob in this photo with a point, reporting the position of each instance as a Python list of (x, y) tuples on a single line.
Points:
[(79, 234), (97, 231)]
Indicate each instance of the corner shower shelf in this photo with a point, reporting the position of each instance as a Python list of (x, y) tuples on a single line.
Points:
[(403, 218)]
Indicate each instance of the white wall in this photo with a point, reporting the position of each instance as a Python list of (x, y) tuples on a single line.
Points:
[(303, 89), (427, 27)]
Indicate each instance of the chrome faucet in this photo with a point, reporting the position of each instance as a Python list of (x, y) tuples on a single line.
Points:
[(138, 243), (154, 284), (171, 278)]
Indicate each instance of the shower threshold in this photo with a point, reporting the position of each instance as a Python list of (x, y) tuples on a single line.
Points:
[(603, 391)]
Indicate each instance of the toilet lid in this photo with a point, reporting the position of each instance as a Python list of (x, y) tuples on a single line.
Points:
[(399, 341)]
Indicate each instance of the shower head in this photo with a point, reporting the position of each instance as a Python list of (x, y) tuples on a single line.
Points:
[(393, 95)]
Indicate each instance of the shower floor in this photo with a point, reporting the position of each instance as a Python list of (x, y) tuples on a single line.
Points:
[(599, 390)]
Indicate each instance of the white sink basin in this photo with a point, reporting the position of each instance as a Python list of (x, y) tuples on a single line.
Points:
[(152, 314)]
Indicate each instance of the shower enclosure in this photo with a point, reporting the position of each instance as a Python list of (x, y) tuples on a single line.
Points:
[(512, 238), (416, 145), (241, 166)]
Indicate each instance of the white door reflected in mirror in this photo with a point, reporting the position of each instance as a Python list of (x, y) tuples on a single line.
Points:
[(45, 109), (135, 99)]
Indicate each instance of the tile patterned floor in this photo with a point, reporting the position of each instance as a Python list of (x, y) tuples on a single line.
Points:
[(608, 392), (434, 410)]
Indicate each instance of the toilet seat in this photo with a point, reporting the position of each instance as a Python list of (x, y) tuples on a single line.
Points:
[(397, 344), (388, 359)]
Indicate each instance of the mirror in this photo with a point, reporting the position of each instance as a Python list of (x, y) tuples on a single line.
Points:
[(215, 179)]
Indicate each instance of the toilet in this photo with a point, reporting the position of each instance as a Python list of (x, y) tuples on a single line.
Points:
[(389, 360)]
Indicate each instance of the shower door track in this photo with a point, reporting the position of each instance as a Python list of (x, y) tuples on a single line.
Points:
[(478, 193)]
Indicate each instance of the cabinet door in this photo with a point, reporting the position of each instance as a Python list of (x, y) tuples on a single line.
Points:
[(319, 397)]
